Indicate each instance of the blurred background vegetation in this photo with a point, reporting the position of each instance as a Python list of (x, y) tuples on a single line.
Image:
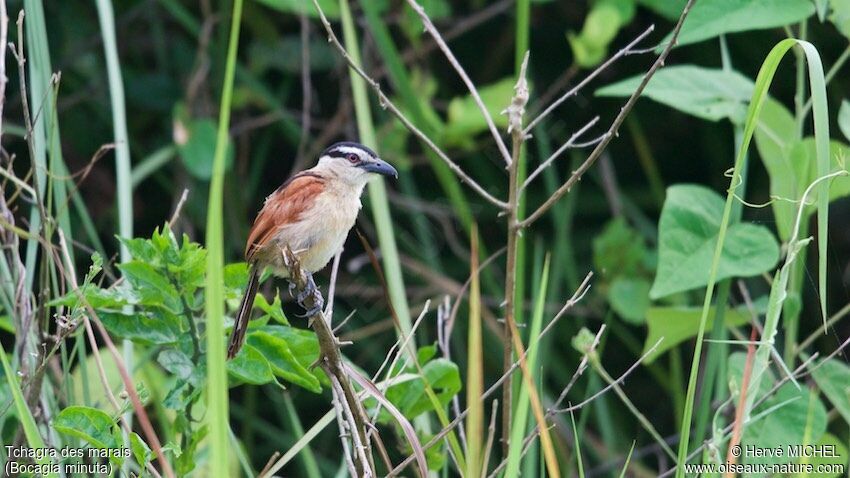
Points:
[(172, 54)]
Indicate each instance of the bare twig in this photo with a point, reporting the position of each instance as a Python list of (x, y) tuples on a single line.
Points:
[(579, 294), (615, 125), (386, 103), (432, 30), (574, 90), (570, 143)]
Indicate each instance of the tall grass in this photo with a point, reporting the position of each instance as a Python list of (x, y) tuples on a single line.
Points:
[(763, 81), (217, 409)]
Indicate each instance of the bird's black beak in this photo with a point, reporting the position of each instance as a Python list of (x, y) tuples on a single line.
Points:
[(379, 166)]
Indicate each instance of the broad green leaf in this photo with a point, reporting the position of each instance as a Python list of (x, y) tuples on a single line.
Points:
[(619, 250), (776, 136), (250, 366), (297, 7), (687, 237), (465, 119), (712, 18), (837, 462), (800, 421), (195, 140), (151, 286), (93, 426), (148, 327), (706, 93), (844, 119), (736, 364), (802, 168), (283, 361), (409, 396), (629, 297), (235, 279), (833, 378), (840, 16), (181, 395), (181, 366), (674, 325)]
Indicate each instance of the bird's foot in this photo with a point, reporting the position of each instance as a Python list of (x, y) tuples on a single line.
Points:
[(311, 291)]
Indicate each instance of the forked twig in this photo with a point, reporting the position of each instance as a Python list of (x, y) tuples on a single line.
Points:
[(615, 125), (387, 104), (435, 34)]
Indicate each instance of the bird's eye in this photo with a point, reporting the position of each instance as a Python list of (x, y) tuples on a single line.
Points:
[(352, 158)]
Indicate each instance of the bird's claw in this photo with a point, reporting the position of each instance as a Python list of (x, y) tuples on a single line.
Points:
[(310, 291)]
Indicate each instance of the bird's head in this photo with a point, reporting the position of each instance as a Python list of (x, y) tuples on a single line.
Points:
[(354, 163)]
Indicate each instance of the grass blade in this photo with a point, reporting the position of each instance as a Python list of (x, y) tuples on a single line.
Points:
[(760, 92), (474, 368), (217, 415)]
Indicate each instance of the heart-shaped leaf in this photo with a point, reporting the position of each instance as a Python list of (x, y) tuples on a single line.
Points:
[(687, 237), (706, 93), (712, 18)]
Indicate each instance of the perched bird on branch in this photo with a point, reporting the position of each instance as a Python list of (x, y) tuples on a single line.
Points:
[(311, 214)]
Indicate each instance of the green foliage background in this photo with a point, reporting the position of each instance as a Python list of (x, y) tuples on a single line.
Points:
[(645, 219)]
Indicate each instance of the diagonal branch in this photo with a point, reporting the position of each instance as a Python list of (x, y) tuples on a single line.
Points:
[(628, 50), (389, 105), (612, 131), (432, 30), (569, 144)]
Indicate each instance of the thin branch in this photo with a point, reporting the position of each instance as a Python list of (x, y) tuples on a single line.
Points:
[(578, 295), (389, 105), (570, 143), (574, 91), (432, 30), (612, 131)]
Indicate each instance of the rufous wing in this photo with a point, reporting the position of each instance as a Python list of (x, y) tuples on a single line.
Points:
[(284, 206)]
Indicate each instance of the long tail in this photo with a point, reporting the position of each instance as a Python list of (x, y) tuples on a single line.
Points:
[(240, 327)]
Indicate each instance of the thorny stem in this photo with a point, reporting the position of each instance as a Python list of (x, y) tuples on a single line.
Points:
[(330, 360), (515, 113), (615, 125)]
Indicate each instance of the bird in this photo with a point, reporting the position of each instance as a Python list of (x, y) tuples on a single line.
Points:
[(311, 213)]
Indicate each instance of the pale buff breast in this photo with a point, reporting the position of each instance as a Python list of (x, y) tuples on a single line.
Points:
[(320, 232)]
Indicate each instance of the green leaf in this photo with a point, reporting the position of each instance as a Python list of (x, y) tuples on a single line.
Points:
[(297, 7), (833, 378), (409, 396), (629, 297), (195, 140), (141, 450), (465, 119), (148, 327), (601, 25), (89, 424), (619, 250), (687, 236), (181, 366), (250, 366), (840, 17), (151, 286), (706, 93), (844, 119), (674, 325), (800, 421), (288, 361), (712, 18), (836, 462), (273, 310)]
